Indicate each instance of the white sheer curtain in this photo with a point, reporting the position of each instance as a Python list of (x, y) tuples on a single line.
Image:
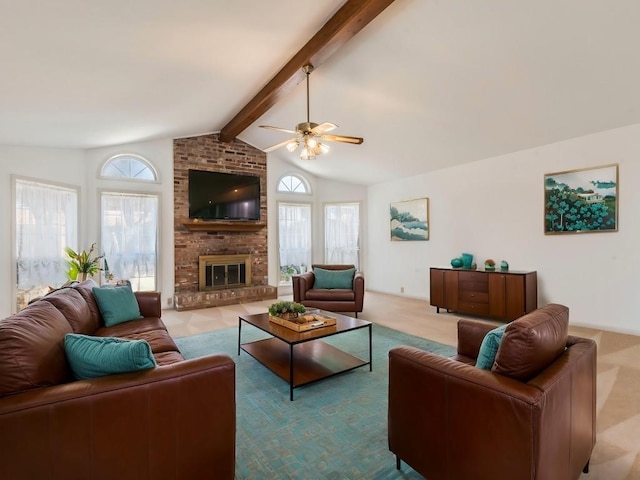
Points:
[(294, 238), (342, 233), (46, 222), (130, 237)]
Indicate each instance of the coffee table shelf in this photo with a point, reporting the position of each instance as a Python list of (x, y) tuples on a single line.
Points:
[(301, 358)]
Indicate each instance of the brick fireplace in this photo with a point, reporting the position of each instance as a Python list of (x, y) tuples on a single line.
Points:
[(206, 152), (223, 271)]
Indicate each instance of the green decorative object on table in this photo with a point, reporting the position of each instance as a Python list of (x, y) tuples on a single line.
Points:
[(467, 260), (489, 265), (504, 266), (456, 262), (286, 309)]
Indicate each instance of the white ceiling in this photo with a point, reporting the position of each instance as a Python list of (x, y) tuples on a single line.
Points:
[(428, 84)]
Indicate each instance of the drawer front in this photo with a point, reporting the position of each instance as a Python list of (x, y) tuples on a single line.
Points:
[(472, 277), (473, 307), (480, 287), (475, 297)]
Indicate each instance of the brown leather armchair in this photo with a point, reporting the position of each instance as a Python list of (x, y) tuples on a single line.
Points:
[(532, 416), (333, 299)]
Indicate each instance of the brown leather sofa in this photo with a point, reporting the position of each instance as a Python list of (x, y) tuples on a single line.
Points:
[(333, 299), (532, 416), (175, 421)]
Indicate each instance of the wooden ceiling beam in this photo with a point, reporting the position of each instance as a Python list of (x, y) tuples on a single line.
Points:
[(352, 17)]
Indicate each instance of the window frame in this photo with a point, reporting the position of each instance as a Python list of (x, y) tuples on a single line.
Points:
[(13, 270), (302, 180), (324, 229), (135, 156), (101, 191), (310, 205)]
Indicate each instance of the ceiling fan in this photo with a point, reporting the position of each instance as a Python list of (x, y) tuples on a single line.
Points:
[(310, 135)]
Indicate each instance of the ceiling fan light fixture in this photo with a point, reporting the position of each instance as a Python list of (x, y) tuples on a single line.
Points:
[(310, 142), (307, 154), (291, 146), (309, 133)]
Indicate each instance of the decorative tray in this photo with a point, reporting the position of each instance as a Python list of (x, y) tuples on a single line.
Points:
[(308, 321)]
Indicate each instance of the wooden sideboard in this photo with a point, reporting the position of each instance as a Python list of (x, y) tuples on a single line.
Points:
[(500, 295)]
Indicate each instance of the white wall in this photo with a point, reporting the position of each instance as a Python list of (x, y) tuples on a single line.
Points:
[(494, 209), (48, 164)]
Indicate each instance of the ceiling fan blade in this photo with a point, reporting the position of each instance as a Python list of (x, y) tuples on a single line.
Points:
[(343, 138), (278, 129), (323, 128), (278, 145)]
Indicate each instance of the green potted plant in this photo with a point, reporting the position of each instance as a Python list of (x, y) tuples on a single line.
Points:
[(286, 309), (82, 264)]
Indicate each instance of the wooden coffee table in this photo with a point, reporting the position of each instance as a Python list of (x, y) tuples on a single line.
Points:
[(301, 358)]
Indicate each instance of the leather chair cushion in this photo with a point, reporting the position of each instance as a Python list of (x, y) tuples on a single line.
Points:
[(330, 295), (74, 308), (159, 339), (32, 349), (532, 342), (86, 290)]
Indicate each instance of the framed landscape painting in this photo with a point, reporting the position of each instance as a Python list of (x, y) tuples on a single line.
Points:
[(581, 201), (410, 220)]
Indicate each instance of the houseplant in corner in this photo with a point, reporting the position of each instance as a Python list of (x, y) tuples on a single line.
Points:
[(82, 264)]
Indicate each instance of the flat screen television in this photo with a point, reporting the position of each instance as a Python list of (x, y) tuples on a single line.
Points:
[(223, 196)]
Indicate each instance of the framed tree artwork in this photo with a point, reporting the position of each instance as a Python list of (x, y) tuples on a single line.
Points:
[(581, 201), (410, 220)]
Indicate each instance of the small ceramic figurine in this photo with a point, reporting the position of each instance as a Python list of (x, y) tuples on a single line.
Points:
[(504, 266)]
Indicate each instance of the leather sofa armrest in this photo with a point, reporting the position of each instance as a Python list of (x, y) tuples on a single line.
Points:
[(177, 418), (470, 336), (358, 289), (419, 366), (302, 283), (150, 304)]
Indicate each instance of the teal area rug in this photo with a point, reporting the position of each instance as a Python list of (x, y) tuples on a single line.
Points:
[(334, 429)]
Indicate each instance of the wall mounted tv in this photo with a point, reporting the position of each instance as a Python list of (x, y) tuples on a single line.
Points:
[(223, 196)]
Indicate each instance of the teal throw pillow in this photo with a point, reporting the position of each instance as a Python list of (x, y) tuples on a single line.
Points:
[(91, 357), (117, 304), (489, 347), (333, 278)]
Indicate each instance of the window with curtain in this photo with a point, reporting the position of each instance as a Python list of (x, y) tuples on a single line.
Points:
[(46, 221), (294, 239), (129, 226), (342, 233)]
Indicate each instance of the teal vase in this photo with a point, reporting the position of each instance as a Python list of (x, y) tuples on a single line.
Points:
[(467, 260), (456, 262)]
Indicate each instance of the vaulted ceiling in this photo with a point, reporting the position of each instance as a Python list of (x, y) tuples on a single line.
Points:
[(428, 83)]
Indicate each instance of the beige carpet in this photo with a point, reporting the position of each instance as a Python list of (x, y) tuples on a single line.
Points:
[(617, 452)]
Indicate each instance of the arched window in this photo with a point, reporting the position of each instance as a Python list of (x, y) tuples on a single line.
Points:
[(292, 183), (130, 167)]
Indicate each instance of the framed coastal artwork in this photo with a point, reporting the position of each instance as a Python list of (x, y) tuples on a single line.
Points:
[(410, 220), (581, 201)]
